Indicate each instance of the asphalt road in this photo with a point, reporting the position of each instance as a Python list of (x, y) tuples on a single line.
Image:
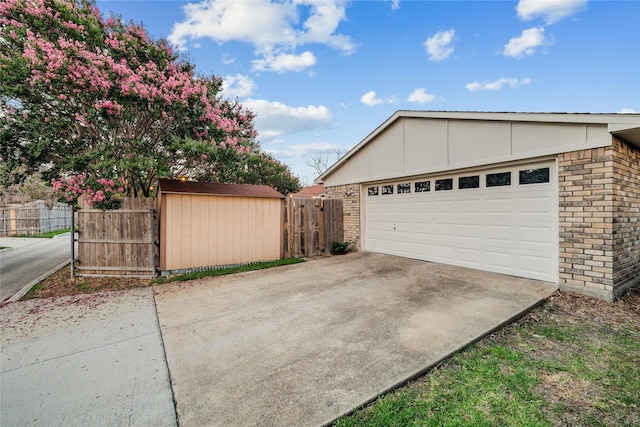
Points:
[(23, 264)]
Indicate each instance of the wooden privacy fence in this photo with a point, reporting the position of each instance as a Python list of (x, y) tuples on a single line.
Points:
[(118, 242), (310, 226), (34, 218)]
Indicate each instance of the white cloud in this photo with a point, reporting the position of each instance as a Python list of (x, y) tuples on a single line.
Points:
[(284, 62), (395, 4), (628, 111), (274, 28), (227, 59), (421, 96), (497, 85), (237, 86), (303, 150), (275, 118), (551, 10), (439, 46), (527, 43), (369, 99)]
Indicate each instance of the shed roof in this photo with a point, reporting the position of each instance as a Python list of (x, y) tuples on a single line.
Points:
[(218, 189)]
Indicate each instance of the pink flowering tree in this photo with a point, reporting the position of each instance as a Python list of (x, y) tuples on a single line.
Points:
[(99, 193), (81, 94)]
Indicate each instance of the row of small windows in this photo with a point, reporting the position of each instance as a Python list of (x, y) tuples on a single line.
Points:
[(501, 179)]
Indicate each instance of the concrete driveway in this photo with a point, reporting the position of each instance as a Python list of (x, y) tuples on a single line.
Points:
[(303, 344)]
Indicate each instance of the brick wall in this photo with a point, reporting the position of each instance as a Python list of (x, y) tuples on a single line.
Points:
[(585, 180), (599, 219), (350, 196), (626, 220)]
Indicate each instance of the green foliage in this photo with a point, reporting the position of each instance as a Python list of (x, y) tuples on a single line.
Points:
[(339, 248), (229, 270), (83, 94)]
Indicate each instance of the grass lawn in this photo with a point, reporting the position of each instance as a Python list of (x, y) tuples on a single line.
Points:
[(574, 361), (48, 235)]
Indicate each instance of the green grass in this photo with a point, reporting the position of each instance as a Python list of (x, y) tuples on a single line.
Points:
[(48, 235), (545, 372), (230, 270), (32, 292)]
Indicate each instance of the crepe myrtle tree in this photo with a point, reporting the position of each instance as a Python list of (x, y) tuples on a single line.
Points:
[(87, 95)]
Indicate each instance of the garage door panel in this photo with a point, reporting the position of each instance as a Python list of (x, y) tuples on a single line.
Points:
[(423, 207), (471, 256), (443, 229), (403, 227), (535, 205), (470, 231), (500, 260), (500, 206), (511, 229), (535, 265), (444, 207), (445, 254), (422, 228), (535, 235), (499, 233), (470, 206)]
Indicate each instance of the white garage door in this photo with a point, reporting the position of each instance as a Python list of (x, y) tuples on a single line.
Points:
[(503, 220)]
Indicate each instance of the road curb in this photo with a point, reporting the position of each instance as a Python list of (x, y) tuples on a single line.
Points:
[(22, 292)]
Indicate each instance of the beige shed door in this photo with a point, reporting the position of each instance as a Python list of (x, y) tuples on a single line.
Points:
[(503, 220)]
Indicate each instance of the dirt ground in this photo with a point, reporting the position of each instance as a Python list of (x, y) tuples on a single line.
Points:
[(60, 283)]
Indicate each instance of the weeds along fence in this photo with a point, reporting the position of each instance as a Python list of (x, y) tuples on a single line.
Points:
[(310, 226), (34, 218), (121, 242)]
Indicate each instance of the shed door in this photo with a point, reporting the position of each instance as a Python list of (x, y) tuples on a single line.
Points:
[(503, 220)]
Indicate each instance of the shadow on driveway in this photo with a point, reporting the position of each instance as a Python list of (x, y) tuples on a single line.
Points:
[(301, 345)]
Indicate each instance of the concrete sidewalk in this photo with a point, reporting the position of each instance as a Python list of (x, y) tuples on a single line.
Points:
[(84, 360), (303, 344)]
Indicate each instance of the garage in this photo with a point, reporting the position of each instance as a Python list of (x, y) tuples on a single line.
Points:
[(545, 196), (502, 220)]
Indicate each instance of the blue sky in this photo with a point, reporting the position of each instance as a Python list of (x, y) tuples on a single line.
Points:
[(322, 75)]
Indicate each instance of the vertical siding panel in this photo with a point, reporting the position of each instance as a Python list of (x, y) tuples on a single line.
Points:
[(237, 215), (210, 236), (230, 224), (198, 237), (221, 225), (241, 232)]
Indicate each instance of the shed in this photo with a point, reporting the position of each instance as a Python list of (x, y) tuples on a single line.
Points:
[(204, 225), (547, 196)]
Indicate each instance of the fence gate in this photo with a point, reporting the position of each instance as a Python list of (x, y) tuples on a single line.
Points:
[(310, 226), (118, 242)]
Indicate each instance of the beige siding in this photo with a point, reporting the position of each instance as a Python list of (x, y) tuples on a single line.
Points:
[(430, 137), (205, 230), (418, 145)]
